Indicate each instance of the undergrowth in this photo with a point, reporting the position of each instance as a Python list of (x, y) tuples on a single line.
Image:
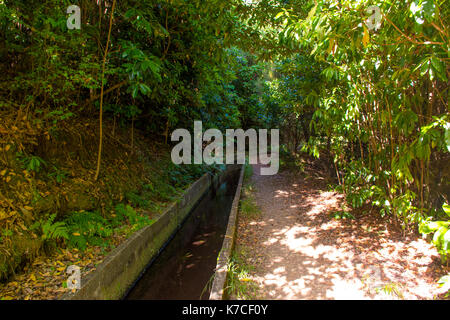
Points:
[(239, 283), (248, 208), (85, 228), (55, 204)]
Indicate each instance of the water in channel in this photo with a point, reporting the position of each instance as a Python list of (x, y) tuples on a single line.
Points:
[(185, 268)]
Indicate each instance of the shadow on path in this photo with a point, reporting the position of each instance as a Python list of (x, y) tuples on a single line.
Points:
[(300, 252)]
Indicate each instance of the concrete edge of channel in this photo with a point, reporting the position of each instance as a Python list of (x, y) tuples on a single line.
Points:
[(221, 273), (125, 264)]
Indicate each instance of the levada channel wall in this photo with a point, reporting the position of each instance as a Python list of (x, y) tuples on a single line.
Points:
[(124, 265), (221, 273)]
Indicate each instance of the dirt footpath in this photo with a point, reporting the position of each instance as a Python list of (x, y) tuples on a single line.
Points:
[(300, 252)]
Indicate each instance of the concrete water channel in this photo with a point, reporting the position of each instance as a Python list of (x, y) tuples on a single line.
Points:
[(185, 268), (183, 255)]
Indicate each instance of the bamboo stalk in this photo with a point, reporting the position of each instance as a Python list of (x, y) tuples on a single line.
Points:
[(100, 145)]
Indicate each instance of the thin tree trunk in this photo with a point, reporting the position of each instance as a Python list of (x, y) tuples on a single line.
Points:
[(132, 135), (100, 145)]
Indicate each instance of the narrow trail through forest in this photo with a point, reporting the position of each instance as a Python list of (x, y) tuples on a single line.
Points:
[(300, 252)]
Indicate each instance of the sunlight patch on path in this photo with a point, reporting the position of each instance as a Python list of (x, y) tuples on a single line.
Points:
[(309, 255)]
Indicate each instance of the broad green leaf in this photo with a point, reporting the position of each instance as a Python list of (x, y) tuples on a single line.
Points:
[(428, 227), (446, 209), (439, 68), (447, 138), (312, 12), (280, 14), (446, 241), (438, 236)]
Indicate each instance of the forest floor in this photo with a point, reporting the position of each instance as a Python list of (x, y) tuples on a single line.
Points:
[(136, 171), (296, 250)]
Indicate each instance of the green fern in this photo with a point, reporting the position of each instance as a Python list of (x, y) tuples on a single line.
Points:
[(129, 214), (137, 200), (126, 212), (88, 228), (52, 230)]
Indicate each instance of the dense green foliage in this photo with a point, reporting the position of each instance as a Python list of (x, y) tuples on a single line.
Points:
[(167, 63), (376, 101), (373, 102), (379, 101)]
